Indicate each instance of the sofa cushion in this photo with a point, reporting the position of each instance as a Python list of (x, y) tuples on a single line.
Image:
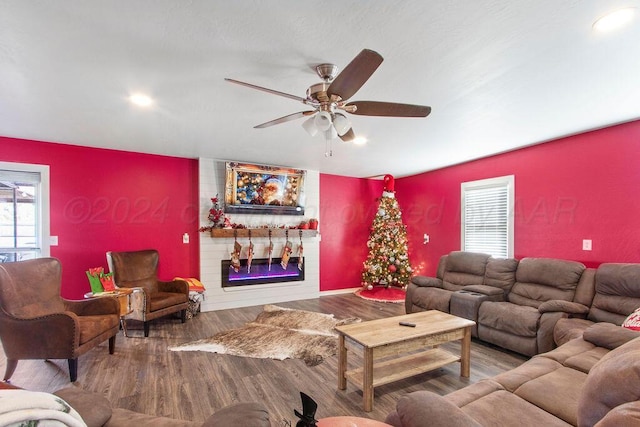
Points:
[(617, 292), (94, 408), (611, 382), (510, 410), (467, 262), (556, 392), (534, 368), (501, 273), (510, 318), (567, 329), (544, 279), (584, 362), (473, 392), (572, 348), (160, 300), (464, 268)]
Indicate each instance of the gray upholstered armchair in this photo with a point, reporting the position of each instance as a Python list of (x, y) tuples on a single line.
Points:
[(152, 298), (37, 323)]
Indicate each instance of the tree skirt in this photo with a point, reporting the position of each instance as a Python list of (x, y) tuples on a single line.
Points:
[(382, 294), (277, 333)]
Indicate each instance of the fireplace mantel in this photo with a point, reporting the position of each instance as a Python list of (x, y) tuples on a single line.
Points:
[(262, 232)]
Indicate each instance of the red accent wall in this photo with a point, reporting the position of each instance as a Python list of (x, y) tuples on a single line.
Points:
[(347, 209), (579, 187), (105, 200)]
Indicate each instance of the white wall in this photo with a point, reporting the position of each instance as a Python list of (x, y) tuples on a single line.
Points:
[(214, 250)]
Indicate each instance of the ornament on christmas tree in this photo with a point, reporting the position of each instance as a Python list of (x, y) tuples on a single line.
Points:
[(387, 262)]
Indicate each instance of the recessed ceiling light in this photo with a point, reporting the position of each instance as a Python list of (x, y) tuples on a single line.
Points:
[(360, 140), (140, 100), (614, 20)]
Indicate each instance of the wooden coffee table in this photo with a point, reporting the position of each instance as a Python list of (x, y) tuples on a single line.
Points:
[(392, 352)]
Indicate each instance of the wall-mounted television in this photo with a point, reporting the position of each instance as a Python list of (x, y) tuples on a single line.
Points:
[(263, 189)]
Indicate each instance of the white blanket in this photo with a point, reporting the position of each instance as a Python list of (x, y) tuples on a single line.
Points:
[(33, 408)]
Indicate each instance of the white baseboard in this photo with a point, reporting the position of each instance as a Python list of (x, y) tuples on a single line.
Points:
[(339, 291)]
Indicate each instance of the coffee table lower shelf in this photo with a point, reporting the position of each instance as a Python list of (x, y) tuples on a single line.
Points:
[(388, 371)]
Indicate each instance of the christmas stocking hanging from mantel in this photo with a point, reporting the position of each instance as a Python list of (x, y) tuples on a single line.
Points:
[(387, 263), (286, 254), (235, 256)]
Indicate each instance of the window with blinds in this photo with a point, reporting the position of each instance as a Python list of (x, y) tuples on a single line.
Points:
[(487, 216)]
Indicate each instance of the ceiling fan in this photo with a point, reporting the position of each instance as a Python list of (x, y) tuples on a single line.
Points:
[(329, 99)]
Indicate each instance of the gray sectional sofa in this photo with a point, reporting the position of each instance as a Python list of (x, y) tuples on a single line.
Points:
[(588, 381), (529, 305)]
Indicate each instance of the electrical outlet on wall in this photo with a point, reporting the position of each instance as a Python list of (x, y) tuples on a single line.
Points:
[(185, 238), (586, 245)]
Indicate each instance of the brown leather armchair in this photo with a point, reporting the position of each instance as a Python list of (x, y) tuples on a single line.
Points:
[(139, 269), (37, 323)]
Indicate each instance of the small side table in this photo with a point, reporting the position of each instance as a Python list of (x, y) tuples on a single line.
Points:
[(123, 297)]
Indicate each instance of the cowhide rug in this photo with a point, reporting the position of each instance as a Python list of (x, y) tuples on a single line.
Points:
[(277, 333)]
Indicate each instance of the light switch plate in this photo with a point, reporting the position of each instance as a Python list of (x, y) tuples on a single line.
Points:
[(53, 240)]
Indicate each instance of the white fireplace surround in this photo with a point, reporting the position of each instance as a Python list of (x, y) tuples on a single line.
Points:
[(214, 250)]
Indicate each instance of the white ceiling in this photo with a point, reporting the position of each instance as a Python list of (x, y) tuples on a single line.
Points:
[(498, 74)]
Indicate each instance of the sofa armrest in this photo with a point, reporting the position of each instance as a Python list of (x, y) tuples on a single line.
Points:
[(608, 335), (417, 408), (568, 307), (55, 335), (625, 414), (427, 282), (485, 290)]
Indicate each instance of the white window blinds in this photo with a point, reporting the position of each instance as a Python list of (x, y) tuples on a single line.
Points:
[(487, 216)]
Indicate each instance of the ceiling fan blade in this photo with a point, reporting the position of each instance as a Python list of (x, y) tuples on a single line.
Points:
[(354, 75), (349, 136), (264, 89), (389, 109), (284, 119)]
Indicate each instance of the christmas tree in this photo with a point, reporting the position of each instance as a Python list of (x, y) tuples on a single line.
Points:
[(388, 262)]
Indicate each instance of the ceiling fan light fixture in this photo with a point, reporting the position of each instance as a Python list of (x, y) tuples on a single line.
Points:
[(330, 133), (310, 126), (323, 121), (341, 124)]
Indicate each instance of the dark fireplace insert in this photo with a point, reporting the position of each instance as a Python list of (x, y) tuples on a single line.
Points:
[(261, 272)]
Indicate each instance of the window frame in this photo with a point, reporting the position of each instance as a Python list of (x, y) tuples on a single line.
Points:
[(508, 183), (43, 227)]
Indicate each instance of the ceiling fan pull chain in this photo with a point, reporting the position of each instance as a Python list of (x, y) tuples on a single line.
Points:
[(328, 147)]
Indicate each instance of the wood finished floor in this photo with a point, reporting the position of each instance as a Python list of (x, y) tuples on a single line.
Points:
[(144, 376)]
